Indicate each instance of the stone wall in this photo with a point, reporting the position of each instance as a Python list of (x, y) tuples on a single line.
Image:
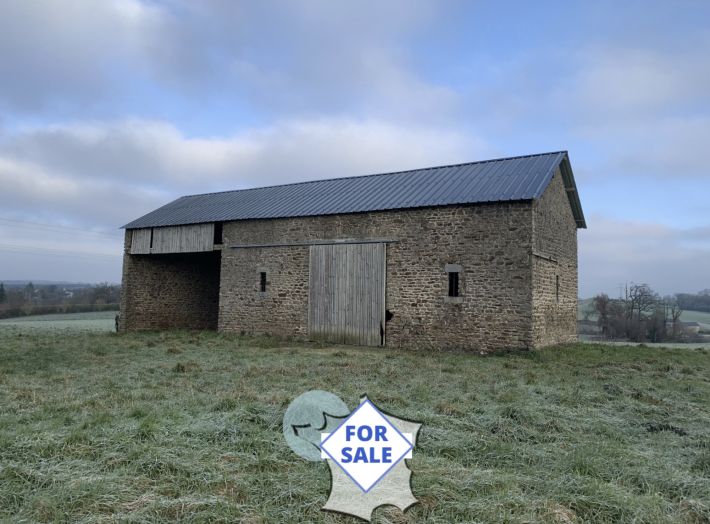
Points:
[(492, 243), (282, 309), (178, 291), (555, 257)]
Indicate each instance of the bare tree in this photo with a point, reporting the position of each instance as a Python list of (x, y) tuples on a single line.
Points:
[(673, 313), (656, 324), (601, 305), (640, 305), (641, 314)]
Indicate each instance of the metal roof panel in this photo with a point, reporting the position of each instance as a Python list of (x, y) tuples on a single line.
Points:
[(499, 180)]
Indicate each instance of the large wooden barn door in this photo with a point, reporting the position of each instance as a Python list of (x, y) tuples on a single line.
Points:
[(347, 293)]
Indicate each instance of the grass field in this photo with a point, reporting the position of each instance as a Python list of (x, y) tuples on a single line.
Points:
[(187, 426), (701, 317), (91, 321)]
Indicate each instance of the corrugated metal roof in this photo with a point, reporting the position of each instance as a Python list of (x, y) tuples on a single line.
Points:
[(499, 180)]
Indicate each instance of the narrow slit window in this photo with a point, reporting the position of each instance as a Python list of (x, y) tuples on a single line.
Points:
[(262, 282), (217, 233), (151, 238), (557, 288), (453, 284)]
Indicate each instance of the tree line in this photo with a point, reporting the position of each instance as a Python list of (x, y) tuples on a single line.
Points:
[(695, 302), (31, 299), (642, 315)]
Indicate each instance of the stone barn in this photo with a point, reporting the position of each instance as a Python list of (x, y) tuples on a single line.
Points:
[(479, 256)]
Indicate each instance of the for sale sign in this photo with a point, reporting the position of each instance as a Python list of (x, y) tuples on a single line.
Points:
[(366, 446)]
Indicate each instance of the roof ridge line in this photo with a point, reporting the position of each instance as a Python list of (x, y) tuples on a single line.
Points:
[(500, 159)]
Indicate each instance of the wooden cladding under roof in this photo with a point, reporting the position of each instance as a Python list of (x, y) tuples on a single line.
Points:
[(193, 238)]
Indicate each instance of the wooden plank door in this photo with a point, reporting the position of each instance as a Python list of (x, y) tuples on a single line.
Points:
[(346, 301)]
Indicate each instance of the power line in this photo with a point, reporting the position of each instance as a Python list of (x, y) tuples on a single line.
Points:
[(5, 307), (36, 250), (56, 227)]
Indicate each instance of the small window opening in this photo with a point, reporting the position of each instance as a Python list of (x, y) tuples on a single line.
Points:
[(151, 238), (557, 288), (453, 283), (217, 233), (262, 282)]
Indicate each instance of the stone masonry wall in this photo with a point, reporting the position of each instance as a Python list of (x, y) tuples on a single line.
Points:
[(491, 242), (283, 308), (555, 256), (178, 291)]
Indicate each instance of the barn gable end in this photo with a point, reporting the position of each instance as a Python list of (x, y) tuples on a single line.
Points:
[(554, 266)]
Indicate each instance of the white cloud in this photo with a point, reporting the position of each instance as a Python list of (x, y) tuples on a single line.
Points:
[(112, 172), (636, 111), (61, 53), (664, 147), (670, 260), (297, 58), (637, 80), (621, 83)]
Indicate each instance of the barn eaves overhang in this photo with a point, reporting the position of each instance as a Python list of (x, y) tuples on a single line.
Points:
[(572, 193), (490, 181)]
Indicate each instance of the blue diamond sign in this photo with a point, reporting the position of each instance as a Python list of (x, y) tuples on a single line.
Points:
[(366, 446)]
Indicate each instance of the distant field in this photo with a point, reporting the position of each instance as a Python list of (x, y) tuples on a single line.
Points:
[(585, 310), (165, 427), (93, 321), (670, 345), (700, 317), (586, 306)]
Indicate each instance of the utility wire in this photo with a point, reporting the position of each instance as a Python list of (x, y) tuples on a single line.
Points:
[(36, 250), (56, 227)]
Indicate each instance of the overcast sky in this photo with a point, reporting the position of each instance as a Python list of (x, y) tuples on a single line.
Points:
[(111, 108)]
